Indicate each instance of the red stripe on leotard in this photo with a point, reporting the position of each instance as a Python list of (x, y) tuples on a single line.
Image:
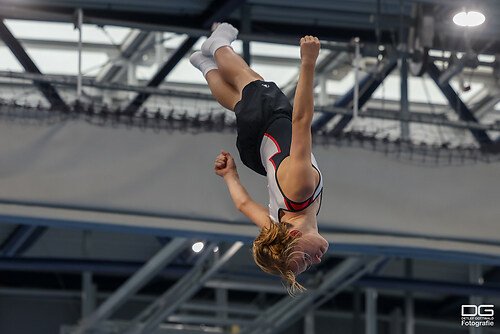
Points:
[(277, 145)]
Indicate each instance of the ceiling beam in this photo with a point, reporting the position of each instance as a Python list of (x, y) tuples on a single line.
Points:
[(367, 86), (52, 44), (217, 10), (429, 286), (190, 90), (131, 47), (289, 309), (21, 239), (486, 105), (17, 49), (159, 21), (463, 112), (151, 317), (413, 245), (158, 78), (155, 265)]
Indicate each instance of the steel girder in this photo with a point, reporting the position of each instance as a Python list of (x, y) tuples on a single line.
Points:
[(134, 41), (429, 286), (156, 264), (216, 11), (287, 309), (22, 238), (413, 117), (486, 105), (367, 86), (327, 28), (174, 59), (17, 49), (263, 283), (149, 319), (458, 105)]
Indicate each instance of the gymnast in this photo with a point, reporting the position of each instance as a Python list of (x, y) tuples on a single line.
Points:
[(275, 142)]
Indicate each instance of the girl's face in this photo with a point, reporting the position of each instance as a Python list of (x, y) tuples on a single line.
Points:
[(308, 250)]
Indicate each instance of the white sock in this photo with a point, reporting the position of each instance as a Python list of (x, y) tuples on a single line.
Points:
[(224, 35), (203, 63)]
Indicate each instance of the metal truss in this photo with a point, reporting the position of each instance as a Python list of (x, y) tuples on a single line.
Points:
[(287, 310), (216, 11), (457, 104), (151, 317), (367, 86), (133, 284), (486, 105), (132, 48), (16, 48), (158, 119), (428, 286), (21, 239), (260, 282)]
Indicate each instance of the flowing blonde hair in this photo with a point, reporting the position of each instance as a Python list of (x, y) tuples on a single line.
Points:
[(272, 251)]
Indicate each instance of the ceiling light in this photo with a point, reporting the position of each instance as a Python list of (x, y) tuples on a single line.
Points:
[(469, 19), (197, 247)]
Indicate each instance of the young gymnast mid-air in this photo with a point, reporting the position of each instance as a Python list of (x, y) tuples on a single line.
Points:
[(275, 142)]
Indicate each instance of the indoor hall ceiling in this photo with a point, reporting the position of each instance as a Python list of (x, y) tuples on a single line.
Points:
[(330, 20)]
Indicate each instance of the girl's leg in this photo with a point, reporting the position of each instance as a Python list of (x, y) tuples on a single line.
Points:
[(231, 66), (224, 93), (234, 69)]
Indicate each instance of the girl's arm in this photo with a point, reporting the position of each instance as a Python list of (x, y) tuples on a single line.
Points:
[(300, 168), (226, 168)]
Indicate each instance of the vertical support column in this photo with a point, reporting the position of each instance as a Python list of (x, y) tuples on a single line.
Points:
[(79, 23), (222, 305), (89, 289), (357, 64), (323, 95), (246, 27), (395, 323), (370, 311), (405, 127), (409, 314), (409, 306), (89, 293), (309, 323), (475, 277), (131, 77), (221, 300), (159, 49), (403, 68), (356, 314), (221, 295)]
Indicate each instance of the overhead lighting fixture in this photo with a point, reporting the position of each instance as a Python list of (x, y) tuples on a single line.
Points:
[(197, 247), (469, 19)]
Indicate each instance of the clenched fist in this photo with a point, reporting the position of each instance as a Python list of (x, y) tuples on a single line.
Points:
[(309, 49), (224, 164)]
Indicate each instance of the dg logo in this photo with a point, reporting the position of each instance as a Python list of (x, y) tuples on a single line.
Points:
[(477, 310)]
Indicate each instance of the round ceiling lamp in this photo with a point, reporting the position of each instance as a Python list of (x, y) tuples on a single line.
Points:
[(469, 19)]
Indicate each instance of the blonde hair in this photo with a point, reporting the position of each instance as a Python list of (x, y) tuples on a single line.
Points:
[(272, 250)]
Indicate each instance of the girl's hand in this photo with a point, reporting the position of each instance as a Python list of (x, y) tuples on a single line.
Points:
[(309, 49), (224, 164)]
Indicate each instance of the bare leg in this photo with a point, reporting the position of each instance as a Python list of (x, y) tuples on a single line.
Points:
[(224, 93), (234, 69)]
